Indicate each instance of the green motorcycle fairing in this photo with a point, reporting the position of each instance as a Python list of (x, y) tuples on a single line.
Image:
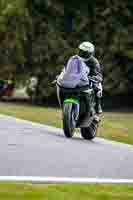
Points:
[(75, 102), (71, 100)]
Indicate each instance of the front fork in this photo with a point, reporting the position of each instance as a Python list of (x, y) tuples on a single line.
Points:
[(76, 109)]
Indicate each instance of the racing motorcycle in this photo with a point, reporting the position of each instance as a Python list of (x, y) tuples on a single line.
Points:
[(79, 111)]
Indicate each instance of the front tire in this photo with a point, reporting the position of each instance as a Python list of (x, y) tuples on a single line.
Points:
[(68, 120), (89, 133)]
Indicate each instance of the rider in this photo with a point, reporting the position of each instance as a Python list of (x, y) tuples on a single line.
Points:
[(78, 70), (86, 52)]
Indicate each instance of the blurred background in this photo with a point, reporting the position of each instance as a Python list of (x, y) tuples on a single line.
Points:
[(38, 36)]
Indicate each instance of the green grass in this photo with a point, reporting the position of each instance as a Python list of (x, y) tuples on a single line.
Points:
[(25, 191), (117, 126)]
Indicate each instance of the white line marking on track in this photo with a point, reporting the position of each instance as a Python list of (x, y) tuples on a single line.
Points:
[(38, 179)]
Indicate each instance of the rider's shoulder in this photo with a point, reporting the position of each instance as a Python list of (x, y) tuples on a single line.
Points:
[(94, 60)]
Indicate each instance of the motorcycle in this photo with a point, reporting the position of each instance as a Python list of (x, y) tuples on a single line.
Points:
[(79, 111)]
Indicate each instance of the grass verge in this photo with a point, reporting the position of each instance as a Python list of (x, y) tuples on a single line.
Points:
[(24, 191), (117, 126)]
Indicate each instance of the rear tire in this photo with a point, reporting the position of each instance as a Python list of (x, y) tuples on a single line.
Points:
[(68, 120), (88, 133)]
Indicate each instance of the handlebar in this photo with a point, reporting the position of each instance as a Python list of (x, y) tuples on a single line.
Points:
[(54, 82)]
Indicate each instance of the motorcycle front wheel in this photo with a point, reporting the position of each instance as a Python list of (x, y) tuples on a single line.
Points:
[(69, 123)]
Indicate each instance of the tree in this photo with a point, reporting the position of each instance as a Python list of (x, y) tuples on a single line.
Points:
[(38, 36)]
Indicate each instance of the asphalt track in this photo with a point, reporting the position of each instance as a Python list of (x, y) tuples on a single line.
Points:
[(31, 149)]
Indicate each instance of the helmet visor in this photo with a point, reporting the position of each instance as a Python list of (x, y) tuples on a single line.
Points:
[(84, 54)]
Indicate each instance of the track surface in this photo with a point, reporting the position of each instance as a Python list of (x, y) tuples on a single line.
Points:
[(31, 149)]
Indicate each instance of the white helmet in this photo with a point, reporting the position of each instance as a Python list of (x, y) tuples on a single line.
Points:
[(86, 50)]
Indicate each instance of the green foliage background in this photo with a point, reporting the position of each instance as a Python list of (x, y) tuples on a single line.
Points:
[(38, 36)]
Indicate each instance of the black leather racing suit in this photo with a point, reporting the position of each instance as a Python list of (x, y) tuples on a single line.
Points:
[(95, 69), (96, 74)]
